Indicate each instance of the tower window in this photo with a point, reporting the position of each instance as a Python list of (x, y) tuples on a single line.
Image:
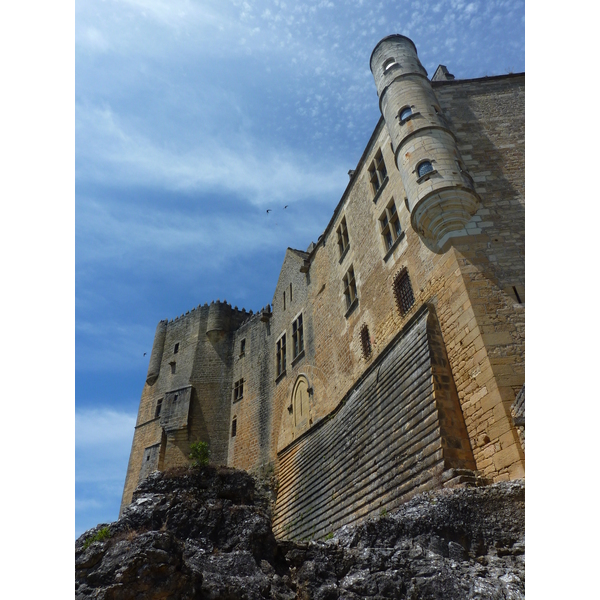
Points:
[(405, 113), (243, 347), (281, 355), (365, 341), (291, 296), (173, 367), (424, 168), (176, 348), (403, 292), (377, 172), (298, 336), (343, 240), (283, 300), (350, 288), (238, 390), (234, 427), (158, 408), (390, 225), (387, 65)]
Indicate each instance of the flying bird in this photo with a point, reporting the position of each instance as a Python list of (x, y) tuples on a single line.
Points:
[(144, 354), (286, 206), (268, 210)]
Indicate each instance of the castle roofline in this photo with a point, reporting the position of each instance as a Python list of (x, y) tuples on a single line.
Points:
[(442, 82)]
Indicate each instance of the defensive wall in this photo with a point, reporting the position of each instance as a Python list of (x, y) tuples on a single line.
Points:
[(393, 349)]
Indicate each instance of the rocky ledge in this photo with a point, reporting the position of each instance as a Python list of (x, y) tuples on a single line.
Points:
[(206, 533)]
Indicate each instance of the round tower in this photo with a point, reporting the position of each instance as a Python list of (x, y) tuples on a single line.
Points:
[(440, 192), (157, 353)]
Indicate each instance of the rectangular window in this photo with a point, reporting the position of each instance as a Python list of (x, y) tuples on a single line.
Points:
[(365, 341), (342, 234), (298, 336), (390, 225), (291, 297), (176, 349), (242, 347), (283, 300), (233, 427), (377, 172), (350, 288), (281, 355), (403, 292), (238, 390), (173, 367), (158, 408)]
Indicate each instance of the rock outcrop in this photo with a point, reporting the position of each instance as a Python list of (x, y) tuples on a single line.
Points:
[(206, 533)]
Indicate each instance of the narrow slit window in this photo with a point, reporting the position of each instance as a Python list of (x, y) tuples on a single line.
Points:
[(158, 408), (291, 297), (298, 336), (281, 355), (283, 300), (234, 427), (173, 367), (243, 347), (176, 348)]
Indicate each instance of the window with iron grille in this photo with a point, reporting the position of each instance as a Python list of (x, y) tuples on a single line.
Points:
[(298, 336), (350, 287), (238, 390), (343, 240), (390, 225), (403, 292), (281, 355), (365, 341), (377, 172)]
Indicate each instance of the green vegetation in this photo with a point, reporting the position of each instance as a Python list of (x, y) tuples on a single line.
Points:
[(99, 536), (329, 536), (200, 454)]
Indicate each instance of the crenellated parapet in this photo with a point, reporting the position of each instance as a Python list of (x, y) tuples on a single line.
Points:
[(439, 192)]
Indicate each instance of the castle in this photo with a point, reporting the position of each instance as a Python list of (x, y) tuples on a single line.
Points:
[(392, 358)]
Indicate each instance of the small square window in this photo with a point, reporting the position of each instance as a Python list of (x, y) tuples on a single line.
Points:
[(403, 292), (342, 234), (377, 172), (238, 390), (298, 336), (350, 287)]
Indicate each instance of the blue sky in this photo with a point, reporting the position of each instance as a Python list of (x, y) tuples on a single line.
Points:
[(191, 120)]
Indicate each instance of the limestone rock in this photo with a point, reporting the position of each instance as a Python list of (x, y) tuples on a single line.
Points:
[(206, 533)]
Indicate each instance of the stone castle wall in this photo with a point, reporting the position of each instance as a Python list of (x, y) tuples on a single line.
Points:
[(473, 285)]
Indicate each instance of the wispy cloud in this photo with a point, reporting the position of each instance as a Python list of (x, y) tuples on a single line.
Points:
[(114, 152)]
